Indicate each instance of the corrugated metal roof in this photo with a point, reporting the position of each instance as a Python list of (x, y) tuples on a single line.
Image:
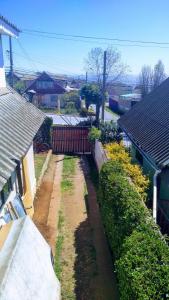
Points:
[(19, 122), (147, 123)]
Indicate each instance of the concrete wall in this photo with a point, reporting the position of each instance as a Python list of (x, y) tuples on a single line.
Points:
[(29, 180), (100, 156)]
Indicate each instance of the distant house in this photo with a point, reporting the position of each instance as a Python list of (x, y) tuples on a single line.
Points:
[(126, 101), (147, 126), (46, 91), (123, 103), (19, 123)]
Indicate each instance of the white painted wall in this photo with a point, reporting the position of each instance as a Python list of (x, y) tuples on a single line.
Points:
[(31, 169), (99, 155)]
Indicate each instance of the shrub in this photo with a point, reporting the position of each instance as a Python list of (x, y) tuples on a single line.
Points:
[(94, 134), (117, 152), (140, 252)]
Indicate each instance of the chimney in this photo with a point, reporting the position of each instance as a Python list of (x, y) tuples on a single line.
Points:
[(6, 28)]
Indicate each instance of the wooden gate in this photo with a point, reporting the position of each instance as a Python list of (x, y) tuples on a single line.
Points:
[(70, 139)]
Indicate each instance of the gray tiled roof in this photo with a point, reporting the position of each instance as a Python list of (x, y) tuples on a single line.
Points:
[(147, 124), (19, 122)]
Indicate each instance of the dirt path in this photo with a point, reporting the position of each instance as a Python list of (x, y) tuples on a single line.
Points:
[(105, 287), (87, 271), (47, 201)]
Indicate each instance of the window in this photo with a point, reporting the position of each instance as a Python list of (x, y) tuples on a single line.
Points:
[(139, 157), (8, 187), (44, 84)]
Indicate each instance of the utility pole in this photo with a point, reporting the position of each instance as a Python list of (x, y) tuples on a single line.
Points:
[(104, 84), (11, 61), (86, 77)]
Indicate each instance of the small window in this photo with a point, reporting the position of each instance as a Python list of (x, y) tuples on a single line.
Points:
[(44, 84), (139, 157), (8, 187)]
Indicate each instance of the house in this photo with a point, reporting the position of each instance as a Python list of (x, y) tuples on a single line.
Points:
[(19, 123), (147, 126), (126, 101), (26, 270), (46, 91)]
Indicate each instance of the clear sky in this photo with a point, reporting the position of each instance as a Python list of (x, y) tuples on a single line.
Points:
[(133, 19)]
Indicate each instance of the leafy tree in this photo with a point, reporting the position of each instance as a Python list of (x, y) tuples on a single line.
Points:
[(70, 97), (92, 95)]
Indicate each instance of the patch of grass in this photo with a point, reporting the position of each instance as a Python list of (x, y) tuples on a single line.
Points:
[(69, 165), (39, 159), (66, 185), (69, 168), (59, 247)]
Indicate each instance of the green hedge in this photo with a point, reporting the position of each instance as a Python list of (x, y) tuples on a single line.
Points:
[(140, 252)]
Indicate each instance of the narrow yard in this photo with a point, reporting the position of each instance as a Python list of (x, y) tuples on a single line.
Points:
[(82, 260), (67, 215)]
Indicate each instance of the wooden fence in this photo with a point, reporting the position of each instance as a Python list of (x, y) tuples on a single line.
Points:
[(70, 139)]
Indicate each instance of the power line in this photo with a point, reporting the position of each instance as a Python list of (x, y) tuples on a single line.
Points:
[(96, 38), (94, 42), (26, 54)]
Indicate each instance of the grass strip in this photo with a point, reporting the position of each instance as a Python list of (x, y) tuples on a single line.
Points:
[(59, 246), (69, 167)]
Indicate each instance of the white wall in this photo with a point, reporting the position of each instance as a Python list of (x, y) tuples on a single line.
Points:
[(31, 169), (99, 155)]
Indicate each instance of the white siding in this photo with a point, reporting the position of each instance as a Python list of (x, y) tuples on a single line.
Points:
[(31, 169)]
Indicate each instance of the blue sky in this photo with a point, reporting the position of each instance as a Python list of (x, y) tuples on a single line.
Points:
[(132, 19)]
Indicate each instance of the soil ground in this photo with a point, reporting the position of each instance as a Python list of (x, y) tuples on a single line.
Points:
[(86, 266), (87, 270), (47, 201)]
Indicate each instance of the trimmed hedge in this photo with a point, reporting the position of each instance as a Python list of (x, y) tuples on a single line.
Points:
[(140, 252)]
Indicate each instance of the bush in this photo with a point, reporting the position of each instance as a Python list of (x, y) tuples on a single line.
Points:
[(94, 134), (140, 252), (117, 152)]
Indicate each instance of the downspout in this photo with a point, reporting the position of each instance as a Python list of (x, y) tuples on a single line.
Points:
[(157, 172)]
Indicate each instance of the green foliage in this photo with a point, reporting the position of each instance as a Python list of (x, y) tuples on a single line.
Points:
[(46, 130), (92, 95), (109, 132), (19, 86), (70, 108), (140, 252), (94, 134), (72, 97)]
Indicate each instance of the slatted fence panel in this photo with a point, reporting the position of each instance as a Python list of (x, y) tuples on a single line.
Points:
[(70, 139)]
